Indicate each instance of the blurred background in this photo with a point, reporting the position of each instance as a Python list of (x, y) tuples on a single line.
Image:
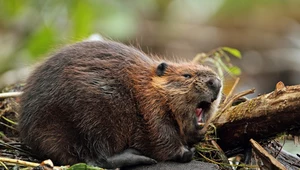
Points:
[(267, 32)]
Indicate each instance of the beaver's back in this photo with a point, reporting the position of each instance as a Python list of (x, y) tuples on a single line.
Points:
[(81, 95)]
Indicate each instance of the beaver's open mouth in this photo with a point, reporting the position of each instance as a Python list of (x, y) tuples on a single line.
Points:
[(201, 110)]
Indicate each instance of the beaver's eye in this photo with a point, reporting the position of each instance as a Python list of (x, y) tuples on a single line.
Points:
[(187, 76)]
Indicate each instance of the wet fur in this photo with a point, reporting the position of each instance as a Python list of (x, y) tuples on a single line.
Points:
[(92, 100)]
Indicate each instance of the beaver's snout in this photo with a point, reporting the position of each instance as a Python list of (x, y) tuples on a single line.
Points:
[(215, 85)]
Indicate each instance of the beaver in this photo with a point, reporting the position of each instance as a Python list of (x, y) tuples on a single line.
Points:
[(111, 105)]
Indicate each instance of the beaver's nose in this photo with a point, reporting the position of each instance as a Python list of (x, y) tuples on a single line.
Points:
[(215, 85)]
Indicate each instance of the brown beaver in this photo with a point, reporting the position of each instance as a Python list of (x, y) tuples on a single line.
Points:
[(111, 105)]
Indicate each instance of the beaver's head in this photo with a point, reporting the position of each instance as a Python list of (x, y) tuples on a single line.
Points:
[(192, 91)]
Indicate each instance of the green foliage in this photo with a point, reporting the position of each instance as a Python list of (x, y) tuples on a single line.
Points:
[(233, 51), (83, 166), (36, 27), (220, 58), (10, 9)]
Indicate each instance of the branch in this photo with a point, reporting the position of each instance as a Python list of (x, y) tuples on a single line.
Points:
[(260, 118), (269, 162), (10, 94), (18, 161)]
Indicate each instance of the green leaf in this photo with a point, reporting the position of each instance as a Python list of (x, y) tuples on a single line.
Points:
[(235, 70), (233, 51), (83, 166), (232, 70)]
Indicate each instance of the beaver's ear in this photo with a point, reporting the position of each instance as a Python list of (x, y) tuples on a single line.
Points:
[(161, 68)]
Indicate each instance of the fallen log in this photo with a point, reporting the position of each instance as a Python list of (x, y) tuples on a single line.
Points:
[(261, 118)]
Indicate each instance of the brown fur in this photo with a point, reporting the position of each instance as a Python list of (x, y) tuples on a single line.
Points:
[(92, 100)]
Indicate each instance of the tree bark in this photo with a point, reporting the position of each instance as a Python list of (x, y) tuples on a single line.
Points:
[(261, 118)]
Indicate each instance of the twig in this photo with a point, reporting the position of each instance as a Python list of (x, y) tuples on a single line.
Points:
[(236, 96), (268, 160), (10, 94), (220, 152), (10, 121), (33, 164), (280, 149), (210, 160), (224, 106), (19, 162), (4, 137), (225, 164), (3, 164), (1, 123), (13, 147), (231, 91)]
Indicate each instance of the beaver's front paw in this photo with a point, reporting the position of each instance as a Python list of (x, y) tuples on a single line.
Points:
[(185, 155)]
